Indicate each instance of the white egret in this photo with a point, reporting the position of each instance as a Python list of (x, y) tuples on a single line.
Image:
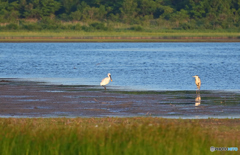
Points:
[(106, 80), (197, 81)]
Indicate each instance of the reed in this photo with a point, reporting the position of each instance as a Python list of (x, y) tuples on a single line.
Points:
[(138, 135)]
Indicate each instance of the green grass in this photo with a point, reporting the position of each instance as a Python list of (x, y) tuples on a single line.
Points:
[(124, 36), (103, 136), (171, 33)]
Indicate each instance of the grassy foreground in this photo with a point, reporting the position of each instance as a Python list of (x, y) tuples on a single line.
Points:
[(111, 36), (138, 135)]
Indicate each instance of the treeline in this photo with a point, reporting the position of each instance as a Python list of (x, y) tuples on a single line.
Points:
[(90, 15)]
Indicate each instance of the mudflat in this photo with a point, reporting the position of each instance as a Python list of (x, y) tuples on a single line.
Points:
[(19, 98)]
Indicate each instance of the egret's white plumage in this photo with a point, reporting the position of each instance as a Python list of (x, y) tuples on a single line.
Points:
[(197, 81), (106, 80)]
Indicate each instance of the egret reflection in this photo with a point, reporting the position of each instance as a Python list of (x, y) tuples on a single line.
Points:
[(198, 99)]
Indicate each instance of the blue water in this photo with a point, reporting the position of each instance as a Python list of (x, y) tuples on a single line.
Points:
[(143, 66)]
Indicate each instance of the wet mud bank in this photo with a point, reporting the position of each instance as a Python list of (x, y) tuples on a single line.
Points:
[(34, 99)]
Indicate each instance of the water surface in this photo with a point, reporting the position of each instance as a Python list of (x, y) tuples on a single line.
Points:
[(142, 66)]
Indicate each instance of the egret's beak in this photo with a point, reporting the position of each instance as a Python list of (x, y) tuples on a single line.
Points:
[(111, 78)]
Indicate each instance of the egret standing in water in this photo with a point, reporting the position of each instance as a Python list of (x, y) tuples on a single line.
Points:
[(197, 81), (106, 80)]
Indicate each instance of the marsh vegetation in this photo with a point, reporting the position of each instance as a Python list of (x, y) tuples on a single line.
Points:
[(138, 135)]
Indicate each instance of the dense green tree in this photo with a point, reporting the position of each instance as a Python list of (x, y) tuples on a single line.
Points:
[(39, 8), (196, 9), (187, 14), (147, 7), (180, 16), (9, 11), (129, 11)]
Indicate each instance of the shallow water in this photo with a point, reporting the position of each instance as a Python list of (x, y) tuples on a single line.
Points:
[(141, 66), (30, 99)]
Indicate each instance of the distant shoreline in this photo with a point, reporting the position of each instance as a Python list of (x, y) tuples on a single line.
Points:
[(119, 39), (128, 36)]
